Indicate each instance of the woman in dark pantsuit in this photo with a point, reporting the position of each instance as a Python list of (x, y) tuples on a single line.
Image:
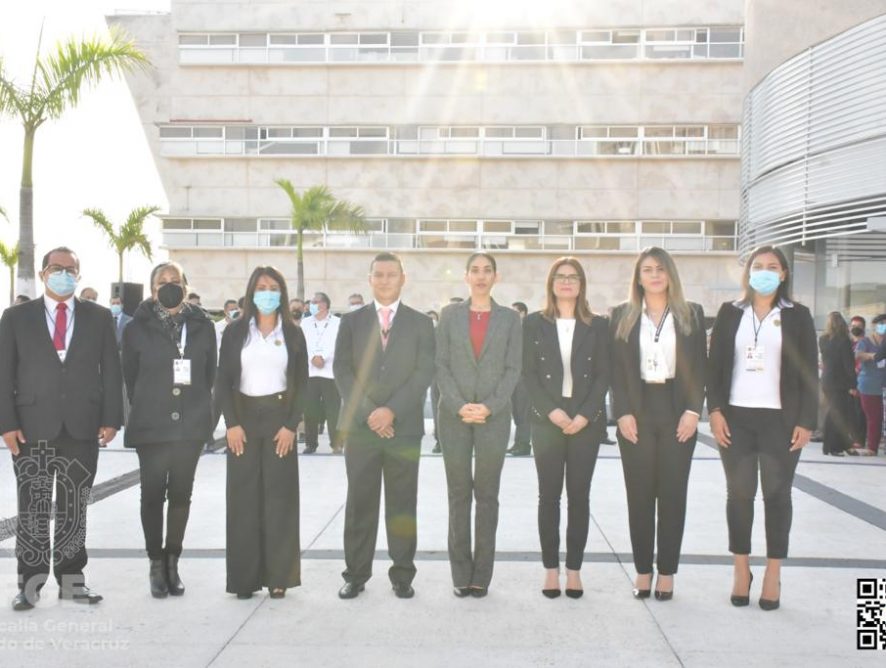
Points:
[(762, 386), (659, 353), (566, 372), (478, 359), (169, 359), (262, 375), (838, 384)]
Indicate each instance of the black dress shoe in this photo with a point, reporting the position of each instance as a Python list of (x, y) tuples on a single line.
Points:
[(479, 592), (22, 602), (176, 587), (461, 592), (309, 450), (437, 450), (79, 594), (663, 595), (277, 592), (574, 593), (742, 601), (350, 590), (244, 596), (403, 590), (157, 578), (607, 441), (520, 450), (551, 593), (769, 604), (641, 593)]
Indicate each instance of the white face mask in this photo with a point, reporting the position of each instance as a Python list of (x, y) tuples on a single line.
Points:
[(354, 307)]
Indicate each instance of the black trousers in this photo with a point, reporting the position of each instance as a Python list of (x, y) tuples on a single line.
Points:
[(369, 460), (520, 406), (838, 421), (67, 466), (760, 442), (573, 457), (167, 476), (263, 547), (656, 471), (322, 402)]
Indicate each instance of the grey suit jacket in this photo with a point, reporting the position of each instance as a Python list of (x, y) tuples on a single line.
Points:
[(490, 380), (122, 321)]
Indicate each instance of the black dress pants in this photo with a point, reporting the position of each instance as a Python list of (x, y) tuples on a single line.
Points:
[(656, 471), (322, 402), (369, 460), (573, 457), (67, 466), (760, 442), (838, 421), (167, 476), (263, 548)]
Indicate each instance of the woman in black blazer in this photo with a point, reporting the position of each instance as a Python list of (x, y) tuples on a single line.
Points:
[(169, 358), (762, 386), (659, 354), (838, 384), (566, 372), (262, 375)]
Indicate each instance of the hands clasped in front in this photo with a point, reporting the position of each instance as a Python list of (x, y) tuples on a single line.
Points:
[(284, 440), (720, 428), (686, 427), (474, 413), (567, 425)]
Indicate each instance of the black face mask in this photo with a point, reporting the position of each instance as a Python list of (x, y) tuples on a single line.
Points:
[(857, 331), (296, 315), (170, 295)]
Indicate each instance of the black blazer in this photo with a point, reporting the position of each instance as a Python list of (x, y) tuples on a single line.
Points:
[(543, 369), (227, 383), (397, 377), (627, 385), (161, 412), (837, 365), (41, 395), (799, 363)]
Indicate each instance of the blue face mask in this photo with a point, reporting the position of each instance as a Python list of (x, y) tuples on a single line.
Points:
[(61, 283), (266, 301), (881, 328), (116, 309), (314, 308), (764, 281)]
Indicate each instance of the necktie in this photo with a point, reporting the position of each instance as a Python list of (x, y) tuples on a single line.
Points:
[(385, 325), (61, 326)]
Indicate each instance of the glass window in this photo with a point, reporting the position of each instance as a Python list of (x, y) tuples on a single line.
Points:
[(501, 38), (223, 40), (308, 38), (655, 228), (659, 35), (404, 39), (277, 40), (499, 133), (686, 35), (725, 35), (461, 38), (598, 243), (374, 38), (720, 228), (434, 38), (592, 132), (432, 226), (596, 36), (528, 133), (497, 226), (277, 133), (526, 227), (193, 40), (253, 39), (307, 132), (208, 133), (406, 132), (175, 133), (177, 224), (463, 226), (562, 132), (623, 131), (461, 133), (590, 228), (558, 227), (273, 224), (373, 132), (207, 224), (235, 132), (401, 226), (239, 225), (665, 131), (701, 35), (343, 39), (530, 38), (686, 228), (342, 132), (696, 131), (723, 132), (621, 228), (625, 36)]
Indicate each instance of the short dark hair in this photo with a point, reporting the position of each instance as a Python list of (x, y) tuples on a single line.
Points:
[(387, 256), (193, 295), (858, 318), (60, 249), (229, 301), (879, 318), (487, 256), (357, 295), (297, 299), (521, 307), (241, 302), (22, 298), (323, 297)]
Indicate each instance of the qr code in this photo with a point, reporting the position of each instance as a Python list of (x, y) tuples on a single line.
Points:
[(871, 618)]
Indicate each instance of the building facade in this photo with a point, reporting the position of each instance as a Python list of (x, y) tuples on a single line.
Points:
[(584, 128)]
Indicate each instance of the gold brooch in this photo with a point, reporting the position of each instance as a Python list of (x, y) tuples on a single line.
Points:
[(777, 323), (278, 342)]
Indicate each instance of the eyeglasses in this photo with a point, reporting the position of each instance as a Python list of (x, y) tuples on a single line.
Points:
[(567, 278), (54, 268)]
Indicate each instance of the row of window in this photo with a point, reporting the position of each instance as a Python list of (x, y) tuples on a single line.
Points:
[(404, 233), (490, 141), (685, 43)]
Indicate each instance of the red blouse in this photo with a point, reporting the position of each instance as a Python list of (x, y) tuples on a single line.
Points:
[(479, 325)]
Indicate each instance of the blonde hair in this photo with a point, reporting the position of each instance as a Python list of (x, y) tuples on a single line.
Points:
[(677, 303)]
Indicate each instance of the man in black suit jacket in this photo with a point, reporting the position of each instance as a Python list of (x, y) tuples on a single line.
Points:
[(60, 399), (384, 363)]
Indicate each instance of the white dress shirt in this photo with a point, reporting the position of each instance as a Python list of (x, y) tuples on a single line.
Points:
[(263, 362), (320, 338), (51, 313), (665, 351), (565, 331), (393, 307), (757, 389)]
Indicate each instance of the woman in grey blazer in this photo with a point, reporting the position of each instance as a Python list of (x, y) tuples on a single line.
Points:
[(479, 346)]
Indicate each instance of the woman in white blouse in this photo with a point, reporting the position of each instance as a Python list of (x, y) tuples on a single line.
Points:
[(659, 353), (762, 385), (262, 375)]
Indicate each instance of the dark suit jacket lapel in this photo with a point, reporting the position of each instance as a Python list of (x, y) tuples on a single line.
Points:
[(496, 320), (79, 324), (463, 324), (633, 345), (582, 331), (38, 319)]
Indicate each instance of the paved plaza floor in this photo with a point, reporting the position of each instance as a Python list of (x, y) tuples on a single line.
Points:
[(839, 535)]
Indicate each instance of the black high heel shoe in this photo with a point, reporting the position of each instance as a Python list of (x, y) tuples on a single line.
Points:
[(551, 593), (769, 604), (661, 595), (742, 601), (574, 593), (643, 593)]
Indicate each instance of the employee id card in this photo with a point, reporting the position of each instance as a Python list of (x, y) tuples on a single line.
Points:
[(655, 365), (181, 372), (755, 358)]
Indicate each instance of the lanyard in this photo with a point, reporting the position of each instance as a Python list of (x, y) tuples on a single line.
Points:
[(181, 344), (664, 316), (52, 319), (754, 323)]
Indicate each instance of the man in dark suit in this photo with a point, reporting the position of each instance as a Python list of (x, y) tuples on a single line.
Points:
[(120, 318), (384, 363), (60, 399)]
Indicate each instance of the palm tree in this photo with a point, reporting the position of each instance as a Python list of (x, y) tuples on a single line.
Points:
[(317, 210), (9, 257), (56, 85), (131, 234)]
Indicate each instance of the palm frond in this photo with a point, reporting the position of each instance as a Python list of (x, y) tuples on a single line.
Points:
[(3, 214), (101, 221), (132, 234), (346, 217), (8, 254), (10, 96)]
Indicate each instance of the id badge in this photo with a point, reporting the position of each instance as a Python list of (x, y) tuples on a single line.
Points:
[(655, 366), (754, 358), (181, 372)]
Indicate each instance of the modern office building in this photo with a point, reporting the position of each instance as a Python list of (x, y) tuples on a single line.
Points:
[(532, 130)]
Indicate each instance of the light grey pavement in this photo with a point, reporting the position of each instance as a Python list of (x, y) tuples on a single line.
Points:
[(839, 534)]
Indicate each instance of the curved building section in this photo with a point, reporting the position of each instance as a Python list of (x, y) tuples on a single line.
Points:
[(814, 144)]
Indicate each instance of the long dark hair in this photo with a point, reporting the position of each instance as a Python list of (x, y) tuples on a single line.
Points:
[(836, 327), (249, 309), (582, 310), (784, 289)]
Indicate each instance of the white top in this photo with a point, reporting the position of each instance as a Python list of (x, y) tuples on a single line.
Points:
[(565, 330), (50, 305), (320, 338), (665, 351), (757, 389), (263, 362), (220, 327)]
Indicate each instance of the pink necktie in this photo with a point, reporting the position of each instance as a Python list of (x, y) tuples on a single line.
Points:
[(385, 325), (61, 326)]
